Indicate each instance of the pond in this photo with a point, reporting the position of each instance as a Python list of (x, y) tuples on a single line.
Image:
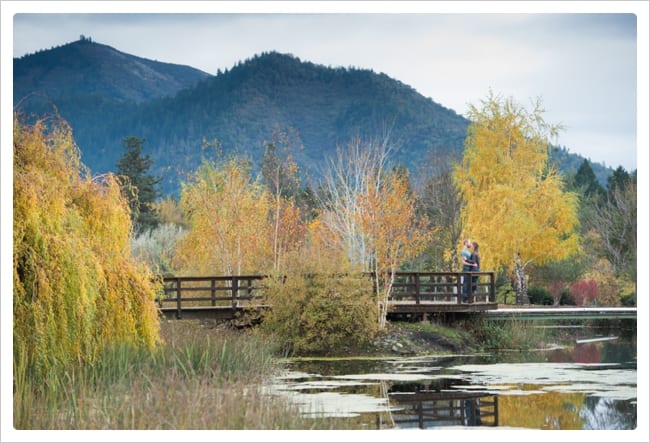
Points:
[(588, 383)]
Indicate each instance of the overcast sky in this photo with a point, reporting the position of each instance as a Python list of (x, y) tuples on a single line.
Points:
[(583, 66)]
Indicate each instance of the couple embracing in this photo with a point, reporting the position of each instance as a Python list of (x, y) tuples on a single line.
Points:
[(471, 260)]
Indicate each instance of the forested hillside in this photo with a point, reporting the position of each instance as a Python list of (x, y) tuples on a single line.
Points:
[(107, 95), (87, 69)]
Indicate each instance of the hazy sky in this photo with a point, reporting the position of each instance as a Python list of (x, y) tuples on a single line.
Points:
[(582, 65)]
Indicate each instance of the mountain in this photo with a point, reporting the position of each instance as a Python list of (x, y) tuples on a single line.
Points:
[(84, 68), (107, 95)]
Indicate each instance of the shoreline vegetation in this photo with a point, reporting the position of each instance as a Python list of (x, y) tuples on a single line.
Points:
[(200, 378), (206, 377)]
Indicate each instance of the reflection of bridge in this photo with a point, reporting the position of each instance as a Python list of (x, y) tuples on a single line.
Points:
[(414, 295), (426, 409), (439, 403)]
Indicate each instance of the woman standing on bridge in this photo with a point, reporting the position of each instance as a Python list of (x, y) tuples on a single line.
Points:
[(475, 258)]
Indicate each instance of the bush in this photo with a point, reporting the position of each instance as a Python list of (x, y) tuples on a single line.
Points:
[(539, 296), (628, 299), (584, 292), (156, 247), (505, 294), (566, 298), (320, 313)]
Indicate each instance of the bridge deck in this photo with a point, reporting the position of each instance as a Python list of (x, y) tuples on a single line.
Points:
[(539, 313)]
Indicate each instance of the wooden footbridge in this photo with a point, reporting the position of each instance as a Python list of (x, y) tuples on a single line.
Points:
[(414, 295)]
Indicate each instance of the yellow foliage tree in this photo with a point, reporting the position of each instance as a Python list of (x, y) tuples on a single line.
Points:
[(513, 201), (228, 217), (393, 230), (324, 248), (77, 287), (289, 232)]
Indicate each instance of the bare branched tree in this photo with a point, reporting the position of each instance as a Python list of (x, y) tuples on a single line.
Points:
[(615, 222), (346, 177), (440, 202)]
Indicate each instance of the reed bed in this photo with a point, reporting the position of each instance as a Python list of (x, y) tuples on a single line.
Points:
[(508, 334), (201, 378)]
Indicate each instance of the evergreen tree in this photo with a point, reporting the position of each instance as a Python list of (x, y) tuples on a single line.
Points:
[(619, 179), (585, 180), (139, 186)]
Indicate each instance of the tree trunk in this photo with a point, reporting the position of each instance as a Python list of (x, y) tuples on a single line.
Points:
[(521, 283)]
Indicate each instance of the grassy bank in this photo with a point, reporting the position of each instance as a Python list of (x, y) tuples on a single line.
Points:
[(201, 378), (215, 378)]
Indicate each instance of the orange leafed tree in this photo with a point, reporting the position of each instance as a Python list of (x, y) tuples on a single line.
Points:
[(393, 230)]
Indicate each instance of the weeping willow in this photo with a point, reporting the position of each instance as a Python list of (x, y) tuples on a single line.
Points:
[(76, 287)]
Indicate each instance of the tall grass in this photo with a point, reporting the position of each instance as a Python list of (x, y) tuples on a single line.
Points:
[(200, 378), (508, 334)]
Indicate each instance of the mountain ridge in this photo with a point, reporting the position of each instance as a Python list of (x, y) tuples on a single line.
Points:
[(176, 108), (77, 61)]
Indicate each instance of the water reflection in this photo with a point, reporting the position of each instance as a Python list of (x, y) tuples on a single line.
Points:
[(424, 406), (588, 386)]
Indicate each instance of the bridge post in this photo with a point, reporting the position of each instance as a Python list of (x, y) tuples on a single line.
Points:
[(179, 309), (235, 289), (493, 292), (471, 298)]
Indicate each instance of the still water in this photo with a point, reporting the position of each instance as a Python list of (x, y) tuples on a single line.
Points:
[(587, 383)]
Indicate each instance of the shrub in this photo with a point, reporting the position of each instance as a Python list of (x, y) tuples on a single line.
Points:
[(322, 313), (156, 246), (628, 299), (539, 296), (566, 299), (505, 294), (584, 292)]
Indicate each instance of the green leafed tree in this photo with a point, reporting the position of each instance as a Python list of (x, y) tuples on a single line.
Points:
[(138, 184), (514, 204)]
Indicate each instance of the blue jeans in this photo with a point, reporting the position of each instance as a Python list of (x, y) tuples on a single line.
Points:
[(466, 282)]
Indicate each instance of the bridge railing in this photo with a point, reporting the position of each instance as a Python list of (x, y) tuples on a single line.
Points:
[(408, 287), (227, 291), (444, 287)]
